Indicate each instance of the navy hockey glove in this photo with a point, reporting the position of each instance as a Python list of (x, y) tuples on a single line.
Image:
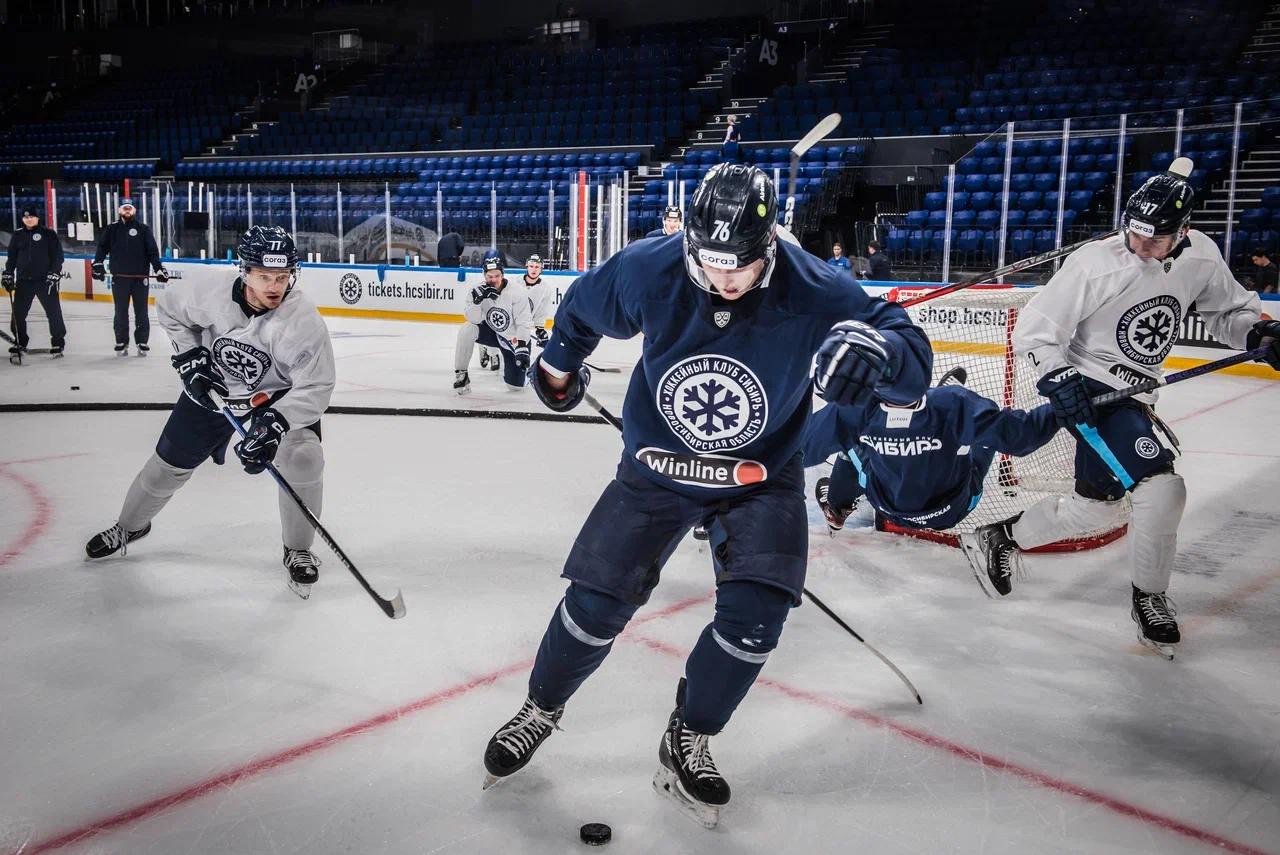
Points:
[(483, 292), (53, 280), (521, 351), (540, 336), (6, 280), (264, 431), (200, 376), (1069, 396), (852, 360), (99, 271), (561, 402), (162, 275), (1266, 332)]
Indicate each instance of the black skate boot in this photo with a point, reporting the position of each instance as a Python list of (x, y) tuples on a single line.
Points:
[(1154, 615), (113, 540), (55, 352), (484, 357), (994, 556), (461, 382), (122, 348), (512, 747), (687, 774), (495, 361), (835, 516), (15, 355), (700, 532), (303, 567), (143, 348)]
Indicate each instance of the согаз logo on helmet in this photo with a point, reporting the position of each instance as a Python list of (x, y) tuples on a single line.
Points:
[(350, 289), (712, 403)]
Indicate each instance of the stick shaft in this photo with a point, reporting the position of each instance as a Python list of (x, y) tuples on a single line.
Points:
[(1177, 377)]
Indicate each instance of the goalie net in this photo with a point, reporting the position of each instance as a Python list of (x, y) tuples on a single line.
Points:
[(973, 328)]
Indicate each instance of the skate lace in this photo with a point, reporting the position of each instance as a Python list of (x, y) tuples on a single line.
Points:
[(526, 729), (302, 558), (1008, 557), (1157, 609), (115, 538), (697, 754)]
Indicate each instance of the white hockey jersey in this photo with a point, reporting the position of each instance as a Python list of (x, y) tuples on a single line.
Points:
[(540, 294), (1116, 317), (508, 315), (286, 348)]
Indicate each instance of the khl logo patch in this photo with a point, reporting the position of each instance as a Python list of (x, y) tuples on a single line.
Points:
[(712, 403), (1147, 331), (350, 289), (499, 320), (1147, 448), (244, 362), (722, 318)]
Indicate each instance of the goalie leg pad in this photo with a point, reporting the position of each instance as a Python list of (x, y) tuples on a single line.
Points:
[(1158, 503), (301, 461)]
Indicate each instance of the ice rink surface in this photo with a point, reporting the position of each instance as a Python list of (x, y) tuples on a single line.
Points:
[(181, 700)]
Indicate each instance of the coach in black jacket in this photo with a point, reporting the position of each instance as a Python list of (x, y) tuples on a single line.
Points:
[(130, 247), (33, 269)]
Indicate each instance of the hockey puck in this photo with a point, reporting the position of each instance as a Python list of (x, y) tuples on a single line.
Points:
[(595, 834), (75, 388)]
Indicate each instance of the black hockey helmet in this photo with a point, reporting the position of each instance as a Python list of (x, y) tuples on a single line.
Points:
[(1162, 205), (672, 211), (732, 222), (491, 264), (267, 248)]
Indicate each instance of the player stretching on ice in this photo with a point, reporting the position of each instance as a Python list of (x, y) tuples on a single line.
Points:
[(497, 315), (253, 339), (1107, 320), (731, 318), (921, 465)]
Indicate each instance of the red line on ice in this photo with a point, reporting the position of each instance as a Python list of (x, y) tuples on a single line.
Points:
[(288, 755), (1211, 407), (43, 514), (986, 760)]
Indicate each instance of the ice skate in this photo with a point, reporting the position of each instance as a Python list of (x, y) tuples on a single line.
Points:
[(484, 357), (512, 747), (15, 355), (303, 567), (55, 352), (994, 556), (495, 361), (1157, 628), (835, 516), (686, 772), (143, 349), (461, 382), (700, 532), (113, 540), (122, 349)]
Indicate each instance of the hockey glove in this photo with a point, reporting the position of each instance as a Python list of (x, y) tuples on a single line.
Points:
[(540, 336), (6, 280), (562, 401), (521, 351), (162, 275), (199, 376), (264, 432), (853, 359), (483, 292), (1266, 333), (99, 271), (1069, 396), (53, 280)]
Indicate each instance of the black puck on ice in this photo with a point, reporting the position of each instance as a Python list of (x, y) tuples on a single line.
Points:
[(595, 834), (75, 388)]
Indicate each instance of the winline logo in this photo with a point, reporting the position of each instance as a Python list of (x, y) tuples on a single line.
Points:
[(703, 470)]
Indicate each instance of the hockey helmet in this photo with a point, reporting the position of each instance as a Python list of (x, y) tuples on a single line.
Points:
[(732, 223), (268, 248), (1162, 205), (672, 211)]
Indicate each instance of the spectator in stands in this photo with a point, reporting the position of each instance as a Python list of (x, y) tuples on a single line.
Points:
[(879, 263), (1264, 276), (672, 222), (449, 250), (130, 247), (838, 258), (33, 269), (729, 150)]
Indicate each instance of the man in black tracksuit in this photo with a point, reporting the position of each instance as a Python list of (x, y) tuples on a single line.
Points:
[(130, 247), (33, 269)]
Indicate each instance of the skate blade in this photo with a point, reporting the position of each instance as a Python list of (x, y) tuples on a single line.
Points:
[(15, 360), (56, 355), (466, 390), (490, 781), (666, 783), (977, 563), (302, 589), (1164, 650)]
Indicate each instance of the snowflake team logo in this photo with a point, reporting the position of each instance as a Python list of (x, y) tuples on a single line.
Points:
[(499, 320), (350, 289), (1147, 448), (712, 403), (1147, 331), (243, 362)]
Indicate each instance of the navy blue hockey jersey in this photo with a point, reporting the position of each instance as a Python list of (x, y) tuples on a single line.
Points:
[(926, 464), (722, 392)]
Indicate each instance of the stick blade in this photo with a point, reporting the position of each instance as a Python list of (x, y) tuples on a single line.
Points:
[(395, 607), (820, 130), (1182, 166)]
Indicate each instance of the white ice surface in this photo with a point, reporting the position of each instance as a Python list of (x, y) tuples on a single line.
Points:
[(181, 700)]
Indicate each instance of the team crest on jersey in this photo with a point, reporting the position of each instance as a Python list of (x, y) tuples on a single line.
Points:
[(244, 362), (1147, 331), (722, 318), (350, 289), (499, 320), (1147, 447), (37, 236), (712, 403), (133, 232)]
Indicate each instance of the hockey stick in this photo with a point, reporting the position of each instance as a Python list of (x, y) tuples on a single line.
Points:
[(1008, 269), (177, 274), (602, 369), (617, 423), (807, 142), (393, 608), (1177, 377), (14, 358)]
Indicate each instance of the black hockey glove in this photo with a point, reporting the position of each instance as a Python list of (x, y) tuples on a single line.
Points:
[(99, 271), (53, 280), (6, 280), (200, 376), (521, 351), (264, 431), (1069, 396), (162, 275), (540, 336), (561, 402), (852, 360), (1266, 333), (483, 292)]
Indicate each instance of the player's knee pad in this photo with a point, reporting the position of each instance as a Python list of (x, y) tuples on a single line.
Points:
[(160, 479), (593, 617), (1158, 502), (749, 619), (1060, 517), (301, 457)]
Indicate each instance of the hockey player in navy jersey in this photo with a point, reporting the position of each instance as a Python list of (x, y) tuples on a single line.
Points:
[(712, 427), (921, 465)]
